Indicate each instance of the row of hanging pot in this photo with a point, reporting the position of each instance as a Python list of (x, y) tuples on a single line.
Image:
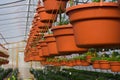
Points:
[(3, 55), (92, 25)]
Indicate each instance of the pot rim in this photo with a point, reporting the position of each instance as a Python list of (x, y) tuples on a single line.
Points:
[(42, 41), (90, 5), (49, 35), (58, 0), (61, 27), (40, 9)]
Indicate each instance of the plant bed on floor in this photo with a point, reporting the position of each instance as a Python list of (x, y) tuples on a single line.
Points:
[(72, 74)]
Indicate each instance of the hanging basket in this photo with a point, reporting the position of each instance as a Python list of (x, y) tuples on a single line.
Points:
[(51, 42), (43, 27), (98, 24), (39, 50), (38, 58), (46, 17), (34, 51), (44, 48), (65, 40), (54, 6)]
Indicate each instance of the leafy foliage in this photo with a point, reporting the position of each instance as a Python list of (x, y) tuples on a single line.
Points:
[(73, 74), (63, 20)]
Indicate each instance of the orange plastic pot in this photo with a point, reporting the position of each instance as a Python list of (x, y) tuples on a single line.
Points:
[(38, 35), (63, 63), (34, 51), (97, 26), (30, 58), (78, 62), (25, 59), (51, 43), (70, 64), (39, 50), (115, 66), (84, 63), (38, 58), (53, 6), (73, 62), (46, 17), (104, 64), (44, 48), (96, 64), (2, 54), (88, 58), (65, 40), (43, 27)]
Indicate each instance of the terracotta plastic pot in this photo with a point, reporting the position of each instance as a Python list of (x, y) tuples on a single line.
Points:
[(65, 40), (96, 64), (97, 25), (88, 58), (51, 42), (46, 17), (104, 64), (115, 66), (44, 48), (35, 30), (78, 62), (38, 58), (2, 54), (30, 58), (43, 27), (73, 62), (25, 59), (53, 6), (39, 50), (70, 64), (63, 63), (4, 62), (38, 34), (84, 63), (34, 51)]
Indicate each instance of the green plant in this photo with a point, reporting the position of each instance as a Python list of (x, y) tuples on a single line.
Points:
[(105, 58), (83, 57), (50, 59), (58, 60), (63, 20), (101, 78), (77, 57), (14, 75), (95, 58), (114, 59), (95, 0), (71, 2), (114, 54), (104, 55), (64, 59), (92, 52), (114, 0)]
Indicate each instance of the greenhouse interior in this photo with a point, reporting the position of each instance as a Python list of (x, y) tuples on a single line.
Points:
[(46, 40)]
